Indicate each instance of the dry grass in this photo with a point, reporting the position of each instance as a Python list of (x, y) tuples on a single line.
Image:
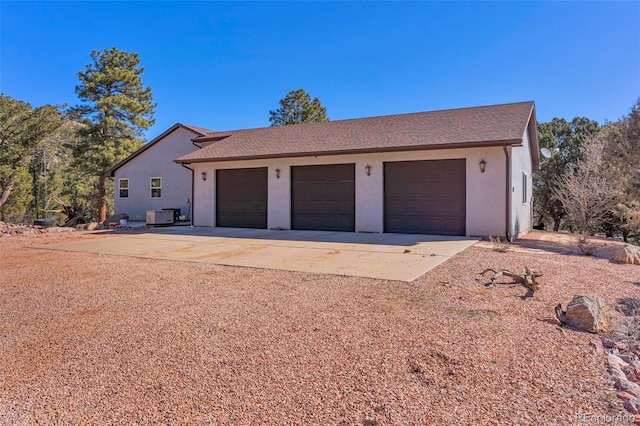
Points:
[(498, 245), (106, 339)]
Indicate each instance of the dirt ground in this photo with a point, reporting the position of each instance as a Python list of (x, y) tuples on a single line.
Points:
[(98, 339)]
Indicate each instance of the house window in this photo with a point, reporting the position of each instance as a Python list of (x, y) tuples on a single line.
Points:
[(156, 187), (525, 198), (123, 188)]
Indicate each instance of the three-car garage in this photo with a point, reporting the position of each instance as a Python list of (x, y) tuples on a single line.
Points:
[(456, 172), (421, 197)]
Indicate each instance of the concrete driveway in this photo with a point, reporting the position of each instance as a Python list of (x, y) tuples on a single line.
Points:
[(400, 257)]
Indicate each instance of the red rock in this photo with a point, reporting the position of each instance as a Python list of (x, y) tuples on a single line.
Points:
[(624, 395), (628, 386)]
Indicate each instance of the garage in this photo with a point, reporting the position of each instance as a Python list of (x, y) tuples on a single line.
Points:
[(425, 197), (241, 198), (323, 197)]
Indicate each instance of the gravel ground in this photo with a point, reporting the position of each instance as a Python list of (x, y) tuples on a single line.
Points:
[(98, 339)]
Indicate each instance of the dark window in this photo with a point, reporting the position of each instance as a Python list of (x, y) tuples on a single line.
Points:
[(156, 187), (123, 188)]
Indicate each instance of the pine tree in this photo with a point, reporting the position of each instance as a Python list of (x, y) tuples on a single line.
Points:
[(116, 109), (297, 107), (23, 130)]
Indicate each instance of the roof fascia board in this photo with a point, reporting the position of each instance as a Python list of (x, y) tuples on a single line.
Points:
[(534, 144), (512, 142)]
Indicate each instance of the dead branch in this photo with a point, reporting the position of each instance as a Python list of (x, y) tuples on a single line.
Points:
[(75, 214), (560, 314), (527, 276)]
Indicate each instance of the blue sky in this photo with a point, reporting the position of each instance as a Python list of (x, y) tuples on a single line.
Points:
[(225, 65)]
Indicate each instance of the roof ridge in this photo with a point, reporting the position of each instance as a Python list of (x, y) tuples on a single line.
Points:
[(230, 131)]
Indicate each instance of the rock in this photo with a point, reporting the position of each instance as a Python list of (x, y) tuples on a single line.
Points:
[(627, 254), (597, 347), (628, 386), (614, 359), (59, 229), (632, 405), (617, 373), (632, 373), (587, 313), (93, 226), (624, 395), (608, 343), (9, 229), (628, 358)]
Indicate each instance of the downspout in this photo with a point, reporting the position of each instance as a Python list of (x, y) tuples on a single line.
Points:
[(192, 183), (192, 209), (507, 207)]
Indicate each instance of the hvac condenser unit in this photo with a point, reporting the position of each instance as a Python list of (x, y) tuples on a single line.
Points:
[(159, 217)]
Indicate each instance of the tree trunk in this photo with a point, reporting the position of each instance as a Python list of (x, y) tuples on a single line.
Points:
[(102, 199), (556, 224), (6, 191)]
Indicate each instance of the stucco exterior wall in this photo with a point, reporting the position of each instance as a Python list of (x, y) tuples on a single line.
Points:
[(157, 161), (485, 209), (521, 202)]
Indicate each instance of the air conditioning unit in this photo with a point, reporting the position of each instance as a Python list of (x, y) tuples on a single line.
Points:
[(159, 217)]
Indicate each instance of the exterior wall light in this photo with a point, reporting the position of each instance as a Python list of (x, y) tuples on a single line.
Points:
[(367, 170), (277, 173), (483, 165), (204, 175)]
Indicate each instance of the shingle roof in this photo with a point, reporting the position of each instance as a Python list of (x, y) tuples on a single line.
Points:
[(199, 131), (454, 128)]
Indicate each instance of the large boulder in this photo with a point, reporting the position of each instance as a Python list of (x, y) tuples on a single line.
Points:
[(587, 313), (627, 254)]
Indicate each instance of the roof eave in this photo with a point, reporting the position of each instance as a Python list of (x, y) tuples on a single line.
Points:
[(111, 172), (512, 142), (534, 144)]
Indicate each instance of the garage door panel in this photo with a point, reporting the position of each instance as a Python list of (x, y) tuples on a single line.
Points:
[(320, 189), (323, 197), (425, 197), (241, 198)]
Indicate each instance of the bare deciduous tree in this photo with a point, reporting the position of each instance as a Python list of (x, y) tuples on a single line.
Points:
[(586, 192)]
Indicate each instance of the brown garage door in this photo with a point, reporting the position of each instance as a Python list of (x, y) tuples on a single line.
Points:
[(425, 197), (323, 197), (241, 198)]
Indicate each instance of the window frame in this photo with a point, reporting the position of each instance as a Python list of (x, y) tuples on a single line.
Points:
[(120, 188), (153, 188), (525, 188)]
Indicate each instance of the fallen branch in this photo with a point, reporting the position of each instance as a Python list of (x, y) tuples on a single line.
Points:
[(527, 276), (560, 314)]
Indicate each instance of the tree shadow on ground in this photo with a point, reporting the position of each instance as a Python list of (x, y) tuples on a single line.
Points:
[(568, 244), (551, 246)]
